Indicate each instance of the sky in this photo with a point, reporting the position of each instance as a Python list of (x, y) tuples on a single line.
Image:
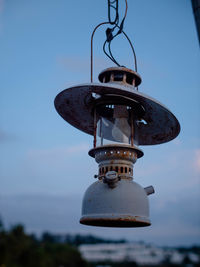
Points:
[(44, 163)]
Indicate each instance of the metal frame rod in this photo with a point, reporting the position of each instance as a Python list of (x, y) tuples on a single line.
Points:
[(196, 11)]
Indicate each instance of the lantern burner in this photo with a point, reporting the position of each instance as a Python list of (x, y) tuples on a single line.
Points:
[(117, 158)]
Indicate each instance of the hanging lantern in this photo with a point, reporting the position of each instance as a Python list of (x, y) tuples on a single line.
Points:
[(120, 119)]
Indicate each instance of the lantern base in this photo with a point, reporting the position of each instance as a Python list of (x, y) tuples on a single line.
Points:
[(125, 205), (122, 221)]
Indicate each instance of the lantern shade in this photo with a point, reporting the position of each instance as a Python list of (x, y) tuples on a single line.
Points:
[(76, 106), (126, 205)]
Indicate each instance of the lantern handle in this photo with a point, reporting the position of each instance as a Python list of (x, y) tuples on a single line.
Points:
[(91, 55)]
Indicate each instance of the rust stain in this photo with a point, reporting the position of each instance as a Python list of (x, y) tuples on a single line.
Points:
[(118, 222)]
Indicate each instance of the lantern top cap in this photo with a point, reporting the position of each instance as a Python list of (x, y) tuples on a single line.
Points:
[(120, 74)]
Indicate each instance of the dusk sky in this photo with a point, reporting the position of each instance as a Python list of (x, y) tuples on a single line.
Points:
[(44, 165)]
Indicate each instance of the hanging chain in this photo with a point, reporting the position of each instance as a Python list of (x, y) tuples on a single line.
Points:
[(110, 35), (113, 4)]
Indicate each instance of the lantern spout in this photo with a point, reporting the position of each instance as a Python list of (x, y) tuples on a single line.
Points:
[(149, 190)]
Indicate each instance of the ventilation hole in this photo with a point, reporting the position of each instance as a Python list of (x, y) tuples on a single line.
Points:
[(129, 78), (118, 77), (106, 78)]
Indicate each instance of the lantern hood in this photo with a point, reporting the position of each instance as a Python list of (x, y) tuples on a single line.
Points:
[(156, 124)]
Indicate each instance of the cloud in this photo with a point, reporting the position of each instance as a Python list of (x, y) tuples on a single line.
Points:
[(197, 160), (173, 173), (79, 148), (176, 141), (42, 212), (1, 6), (57, 161), (4, 137), (61, 214), (75, 64), (68, 170), (58, 169), (1, 11), (59, 152)]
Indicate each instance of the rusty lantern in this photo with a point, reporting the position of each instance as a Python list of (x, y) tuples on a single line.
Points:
[(120, 119)]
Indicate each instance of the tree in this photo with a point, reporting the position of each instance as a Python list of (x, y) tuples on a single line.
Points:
[(17, 249)]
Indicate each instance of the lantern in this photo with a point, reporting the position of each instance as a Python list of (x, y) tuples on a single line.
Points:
[(120, 119)]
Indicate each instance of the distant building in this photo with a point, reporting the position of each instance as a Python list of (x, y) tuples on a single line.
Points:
[(140, 253)]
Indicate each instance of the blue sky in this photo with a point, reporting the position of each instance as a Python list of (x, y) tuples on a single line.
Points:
[(44, 166)]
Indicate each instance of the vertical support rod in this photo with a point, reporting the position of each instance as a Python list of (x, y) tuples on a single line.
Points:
[(132, 128), (95, 128), (101, 135), (196, 11)]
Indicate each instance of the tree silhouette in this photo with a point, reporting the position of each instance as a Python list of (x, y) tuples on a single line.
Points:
[(17, 249)]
